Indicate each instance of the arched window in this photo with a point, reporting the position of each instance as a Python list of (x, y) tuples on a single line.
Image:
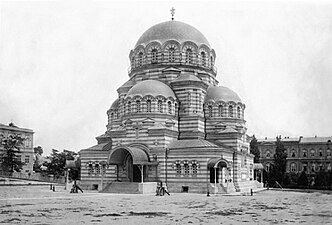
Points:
[(267, 167), (230, 111), (186, 168), (138, 106), (220, 111), (171, 54), (148, 105), (97, 169), (140, 59), (312, 153), (160, 106), (169, 104), (210, 111), (194, 168), (154, 56), (203, 58), (175, 108), (320, 153), (189, 56), (293, 167), (268, 154), (293, 153), (328, 152), (129, 107), (90, 169), (313, 167), (112, 116), (178, 169), (238, 112), (304, 153), (212, 62)]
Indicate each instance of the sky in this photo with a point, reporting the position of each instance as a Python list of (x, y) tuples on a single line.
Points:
[(61, 62)]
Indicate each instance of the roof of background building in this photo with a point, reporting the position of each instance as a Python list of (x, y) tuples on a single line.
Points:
[(13, 127), (294, 139)]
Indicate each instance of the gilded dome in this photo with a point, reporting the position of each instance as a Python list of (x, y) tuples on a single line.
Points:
[(220, 93), (151, 87), (172, 30)]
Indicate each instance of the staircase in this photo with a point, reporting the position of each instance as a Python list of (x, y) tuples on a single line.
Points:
[(245, 186), (121, 187)]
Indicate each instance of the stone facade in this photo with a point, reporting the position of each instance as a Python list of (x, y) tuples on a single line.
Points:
[(171, 122), (311, 154), (27, 154)]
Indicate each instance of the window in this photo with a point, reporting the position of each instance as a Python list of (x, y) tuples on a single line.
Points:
[(169, 104), (313, 167), (268, 154), (178, 169), (230, 111), (328, 152), (203, 58), (293, 153), (18, 158), (160, 106), (97, 169), (171, 54), (189, 56), (304, 153), (27, 159), (267, 167), (90, 169), (304, 166), (329, 166), (238, 112), (321, 168), (138, 106), (210, 111), (212, 62), (129, 107), (312, 153), (133, 61), (194, 169), (154, 56), (148, 106), (140, 59), (293, 167), (186, 168), (220, 111), (320, 153)]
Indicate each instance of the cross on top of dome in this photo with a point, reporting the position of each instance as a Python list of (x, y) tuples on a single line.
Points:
[(172, 12)]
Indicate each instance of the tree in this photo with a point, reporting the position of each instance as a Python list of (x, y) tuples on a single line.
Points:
[(254, 149), (303, 179), (10, 160), (279, 161), (57, 163)]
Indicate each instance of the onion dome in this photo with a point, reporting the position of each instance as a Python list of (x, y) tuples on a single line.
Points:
[(172, 30), (220, 93), (151, 87)]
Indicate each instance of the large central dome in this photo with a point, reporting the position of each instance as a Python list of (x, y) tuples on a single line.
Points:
[(172, 30)]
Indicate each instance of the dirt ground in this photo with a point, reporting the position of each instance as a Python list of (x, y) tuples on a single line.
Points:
[(39, 205)]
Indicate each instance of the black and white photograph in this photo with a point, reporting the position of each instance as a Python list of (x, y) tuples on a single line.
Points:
[(166, 112)]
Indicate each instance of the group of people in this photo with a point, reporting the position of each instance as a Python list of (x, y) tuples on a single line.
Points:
[(160, 191)]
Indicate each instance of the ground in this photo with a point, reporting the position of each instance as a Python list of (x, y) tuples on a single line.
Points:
[(40, 205)]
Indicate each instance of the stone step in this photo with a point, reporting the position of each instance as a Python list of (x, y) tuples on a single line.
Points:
[(121, 187)]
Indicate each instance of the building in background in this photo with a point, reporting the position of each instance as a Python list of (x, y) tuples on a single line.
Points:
[(311, 154), (172, 122), (27, 155)]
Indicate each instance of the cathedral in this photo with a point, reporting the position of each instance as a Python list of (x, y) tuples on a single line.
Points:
[(171, 122)]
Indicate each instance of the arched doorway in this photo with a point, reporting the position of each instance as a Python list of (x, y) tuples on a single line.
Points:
[(130, 163), (133, 171), (218, 168)]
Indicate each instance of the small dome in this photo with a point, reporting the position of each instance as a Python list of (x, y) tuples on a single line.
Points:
[(115, 104), (220, 93), (172, 30), (151, 87)]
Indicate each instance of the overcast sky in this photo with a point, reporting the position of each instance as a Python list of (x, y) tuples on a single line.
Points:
[(61, 62)]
